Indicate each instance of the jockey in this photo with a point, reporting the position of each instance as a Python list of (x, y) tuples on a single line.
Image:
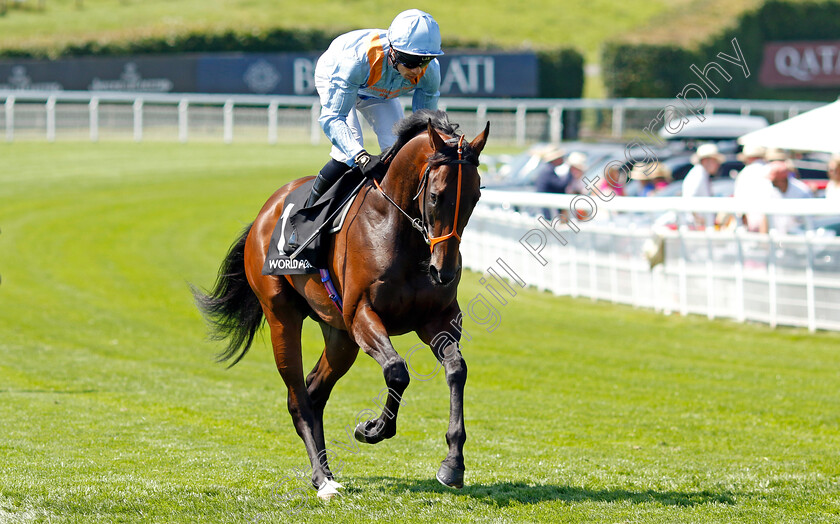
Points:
[(364, 72)]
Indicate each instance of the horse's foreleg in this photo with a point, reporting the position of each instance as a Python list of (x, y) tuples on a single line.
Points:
[(372, 336), (443, 336)]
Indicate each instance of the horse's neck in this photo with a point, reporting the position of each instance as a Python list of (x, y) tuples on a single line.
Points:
[(402, 183)]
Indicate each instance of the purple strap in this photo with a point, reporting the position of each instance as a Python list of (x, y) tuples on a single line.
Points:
[(328, 284)]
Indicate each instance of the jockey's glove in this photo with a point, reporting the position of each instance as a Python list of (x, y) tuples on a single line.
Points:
[(370, 165)]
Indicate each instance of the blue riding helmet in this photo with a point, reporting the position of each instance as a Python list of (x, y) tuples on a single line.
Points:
[(414, 32)]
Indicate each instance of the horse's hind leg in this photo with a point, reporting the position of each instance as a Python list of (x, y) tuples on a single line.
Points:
[(339, 355), (285, 328)]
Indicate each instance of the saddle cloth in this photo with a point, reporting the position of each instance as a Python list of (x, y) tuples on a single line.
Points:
[(303, 222)]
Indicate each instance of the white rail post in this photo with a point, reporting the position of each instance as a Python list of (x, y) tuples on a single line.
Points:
[(771, 277), (521, 121), (227, 112), (10, 119), (809, 282), (93, 110), (555, 124), (618, 121), (51, 119), (710, 109), (183, 120), (272, 122), (138, 119), (741, 313), (314, 126), (683, 271), (480, 116), (710, 275)]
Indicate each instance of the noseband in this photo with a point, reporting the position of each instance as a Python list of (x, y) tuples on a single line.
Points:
[(422, 224)]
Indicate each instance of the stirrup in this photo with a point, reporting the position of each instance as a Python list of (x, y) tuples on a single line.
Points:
[(292, 244)]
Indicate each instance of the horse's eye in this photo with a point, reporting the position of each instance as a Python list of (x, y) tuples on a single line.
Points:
[(433, 198)]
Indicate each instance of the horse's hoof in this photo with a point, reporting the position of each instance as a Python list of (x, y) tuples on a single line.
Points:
[(367, 433), (328, 490), (450, 477)]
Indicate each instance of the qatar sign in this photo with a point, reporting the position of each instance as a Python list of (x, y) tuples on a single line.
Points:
[(801, 64)]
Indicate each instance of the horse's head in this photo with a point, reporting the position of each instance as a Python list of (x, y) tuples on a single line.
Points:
[(449, 191)]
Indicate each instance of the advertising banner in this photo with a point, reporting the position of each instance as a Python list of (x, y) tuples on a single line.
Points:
[(801, 64), (462, 74)]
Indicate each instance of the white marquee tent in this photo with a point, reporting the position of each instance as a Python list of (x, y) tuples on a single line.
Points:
[(816, 130)]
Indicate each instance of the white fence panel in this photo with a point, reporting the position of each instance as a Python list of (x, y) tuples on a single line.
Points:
[(791, 280)]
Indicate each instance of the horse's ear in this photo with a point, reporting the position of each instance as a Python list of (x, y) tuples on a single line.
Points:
[(481, 140), (435, 140)]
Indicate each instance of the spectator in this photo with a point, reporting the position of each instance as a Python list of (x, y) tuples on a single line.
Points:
[(832, 188), (577, 167), (752, 184), (550, 177), (697, 183), (651, 178), (755, 166), (781, 175), (612, 182)]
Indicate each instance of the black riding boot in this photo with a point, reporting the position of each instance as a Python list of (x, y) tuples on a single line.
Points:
[(331, 172)]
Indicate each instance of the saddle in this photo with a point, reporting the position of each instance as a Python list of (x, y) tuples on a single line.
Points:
[(298, 223)]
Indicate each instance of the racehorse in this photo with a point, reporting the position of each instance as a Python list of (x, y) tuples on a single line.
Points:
[(396, 265)]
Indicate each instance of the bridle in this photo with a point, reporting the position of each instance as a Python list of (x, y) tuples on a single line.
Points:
[(421, 224)]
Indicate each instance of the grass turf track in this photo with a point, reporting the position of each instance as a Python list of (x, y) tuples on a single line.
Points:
[(113, 410)]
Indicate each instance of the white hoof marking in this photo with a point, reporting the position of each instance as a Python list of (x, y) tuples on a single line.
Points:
[(328, 490)]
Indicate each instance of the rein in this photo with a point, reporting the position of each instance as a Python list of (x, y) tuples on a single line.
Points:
[(421, 224)]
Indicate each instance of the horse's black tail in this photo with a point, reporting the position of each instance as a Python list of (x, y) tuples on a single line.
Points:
[(231, 308)]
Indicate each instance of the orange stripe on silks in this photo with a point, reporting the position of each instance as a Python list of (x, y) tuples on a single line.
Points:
[(414, 82), (376, 60)]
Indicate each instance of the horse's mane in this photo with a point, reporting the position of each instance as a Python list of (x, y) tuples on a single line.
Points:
[(417, 123)]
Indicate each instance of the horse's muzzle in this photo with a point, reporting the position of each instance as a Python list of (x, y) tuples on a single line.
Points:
[(442, 278)]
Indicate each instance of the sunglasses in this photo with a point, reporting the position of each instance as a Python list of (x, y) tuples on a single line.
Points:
[(411, 61)]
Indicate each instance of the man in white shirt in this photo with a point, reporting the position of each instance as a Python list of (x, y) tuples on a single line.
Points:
[(752, 184), (781, 175), (697, 182)]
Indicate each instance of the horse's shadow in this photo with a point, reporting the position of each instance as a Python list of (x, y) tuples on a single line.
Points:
[(506, 493)]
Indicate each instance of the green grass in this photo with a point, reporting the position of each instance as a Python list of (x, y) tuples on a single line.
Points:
[(113, 410)]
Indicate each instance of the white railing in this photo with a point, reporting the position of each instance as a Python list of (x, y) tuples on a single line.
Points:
[(54, 115), (772, 278)]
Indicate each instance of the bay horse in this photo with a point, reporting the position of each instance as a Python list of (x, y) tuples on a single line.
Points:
[(396, 265)]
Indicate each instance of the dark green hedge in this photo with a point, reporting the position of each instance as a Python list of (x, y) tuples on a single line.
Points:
[(663, 70), (272, 40), (561, 74), (653, 71)]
